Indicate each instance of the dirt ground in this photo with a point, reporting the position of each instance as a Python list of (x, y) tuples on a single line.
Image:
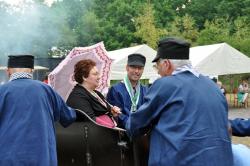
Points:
[(240, 113)]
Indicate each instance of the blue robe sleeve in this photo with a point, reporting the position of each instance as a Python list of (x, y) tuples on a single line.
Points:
[(147, 115), (62, 113), (240, 127), (241, 155), (114, 98)]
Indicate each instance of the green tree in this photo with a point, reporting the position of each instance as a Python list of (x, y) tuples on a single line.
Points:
[(69, 14), (116, 22), (88, 29), (236, 33), (184, 27), (241, 37), (242, 28), (233, 8), (200, 10), (215, 31), (71, 10), (164, 12), (146, 29)]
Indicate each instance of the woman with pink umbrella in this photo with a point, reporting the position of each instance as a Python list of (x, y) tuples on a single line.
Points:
[(84, 96)]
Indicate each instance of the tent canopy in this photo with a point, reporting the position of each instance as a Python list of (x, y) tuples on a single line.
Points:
[(219, 59), (120, 57), (210, 60)]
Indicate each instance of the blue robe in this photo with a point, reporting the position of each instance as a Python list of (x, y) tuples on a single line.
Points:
[(28, 110), (189, 122), (241, 155), (240, 127), (119, 96)]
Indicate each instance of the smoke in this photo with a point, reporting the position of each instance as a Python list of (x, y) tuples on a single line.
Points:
[(31, 28)]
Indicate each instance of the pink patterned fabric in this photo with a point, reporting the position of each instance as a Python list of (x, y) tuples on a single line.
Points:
[(61, 78)]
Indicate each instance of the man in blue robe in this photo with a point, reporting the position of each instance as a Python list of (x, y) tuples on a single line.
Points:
[(128, 94), (241, 155), (186, 112), (28, 111), (240, 152), (240, 127)]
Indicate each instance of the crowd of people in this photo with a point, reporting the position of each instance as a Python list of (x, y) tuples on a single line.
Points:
[(242, 94), (184, 113)]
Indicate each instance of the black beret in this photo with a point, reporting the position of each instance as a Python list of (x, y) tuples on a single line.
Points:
[(172, 48), (136, 60), (21, 61)]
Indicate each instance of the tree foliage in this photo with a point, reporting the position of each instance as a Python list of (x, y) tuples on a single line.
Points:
[(146, 29), (215, 31), (184, 27), (121, 23)]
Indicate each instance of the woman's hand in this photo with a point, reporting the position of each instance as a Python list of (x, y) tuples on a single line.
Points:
[(115, 111)]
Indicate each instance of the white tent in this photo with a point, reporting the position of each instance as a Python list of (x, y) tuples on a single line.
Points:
[(120, 57), (211, 60), (219, 59)]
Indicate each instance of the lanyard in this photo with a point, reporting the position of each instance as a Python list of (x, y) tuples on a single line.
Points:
[(133, 97)]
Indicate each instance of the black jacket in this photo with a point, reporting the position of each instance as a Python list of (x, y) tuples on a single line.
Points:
[(81, 98)]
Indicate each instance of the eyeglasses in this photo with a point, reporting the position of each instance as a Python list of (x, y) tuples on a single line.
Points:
[(155, 67)]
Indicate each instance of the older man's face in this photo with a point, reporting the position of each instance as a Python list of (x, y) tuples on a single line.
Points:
[(163, 67)]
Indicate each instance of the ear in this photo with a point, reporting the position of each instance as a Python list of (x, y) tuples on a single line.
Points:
[(166, 63), (170, 67), (169, 63), (8, 72)]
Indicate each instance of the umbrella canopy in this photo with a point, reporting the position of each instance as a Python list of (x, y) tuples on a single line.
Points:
[(61, 78)]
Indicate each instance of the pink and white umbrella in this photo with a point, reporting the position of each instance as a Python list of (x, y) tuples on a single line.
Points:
[(61, 78)]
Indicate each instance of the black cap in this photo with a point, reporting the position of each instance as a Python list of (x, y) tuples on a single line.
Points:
[(136, 60), (172, 48), (21, 61)]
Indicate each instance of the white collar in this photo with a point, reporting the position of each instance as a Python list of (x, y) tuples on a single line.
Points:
[(187, 67)]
